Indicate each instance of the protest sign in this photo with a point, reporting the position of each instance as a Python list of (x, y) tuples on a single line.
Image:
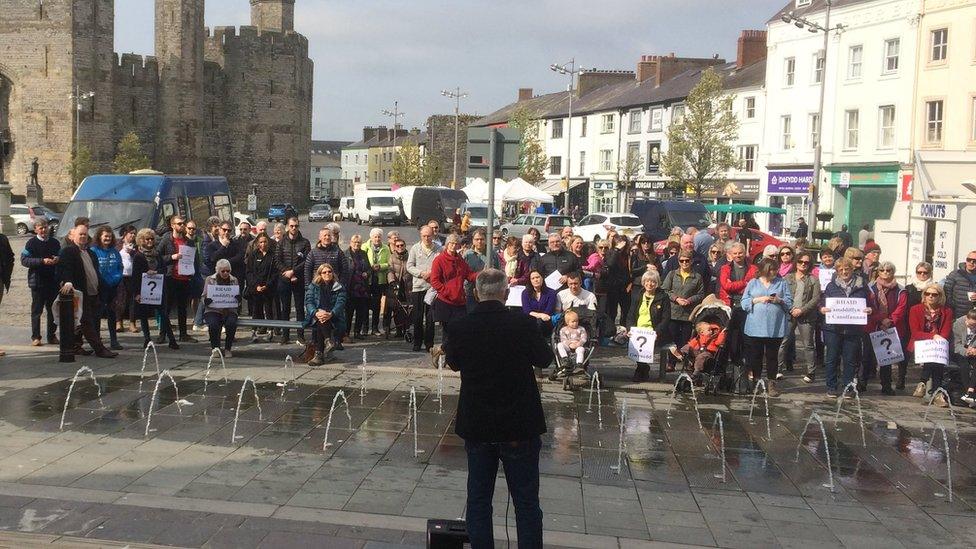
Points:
[(223, 296), (640, 348), (931, 351), (847, 310), (151, 291), (887, 347)]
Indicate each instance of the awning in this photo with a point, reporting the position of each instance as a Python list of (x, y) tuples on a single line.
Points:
[(555, 186), (742, 208), (945, 174)]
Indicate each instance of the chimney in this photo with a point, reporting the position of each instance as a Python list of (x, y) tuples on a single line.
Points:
[(752, 48), (596, 79), (670, 66), (646, 67), (382, 133), (524, 94), (369, 132)]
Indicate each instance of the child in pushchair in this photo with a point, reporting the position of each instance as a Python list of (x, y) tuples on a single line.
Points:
[(572, 345), (703, 352), (402, 313)]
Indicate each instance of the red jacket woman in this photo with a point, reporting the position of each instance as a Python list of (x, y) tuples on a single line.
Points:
[(447, 276), (924, 324)]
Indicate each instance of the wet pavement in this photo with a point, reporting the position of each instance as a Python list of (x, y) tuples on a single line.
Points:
[(278, 484)]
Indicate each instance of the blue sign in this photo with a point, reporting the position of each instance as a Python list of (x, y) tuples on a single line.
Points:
[(789, 182)]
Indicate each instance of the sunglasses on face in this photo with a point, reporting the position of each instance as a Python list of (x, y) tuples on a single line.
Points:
[(971, 260), (921, 272), (785, 254), (713, 252), (225, 228), (884, 270), (684, 261), (857, 259), (931, 294), (803, 262)]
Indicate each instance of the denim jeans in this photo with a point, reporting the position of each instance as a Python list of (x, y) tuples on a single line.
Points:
[(836, 345), (521, 462), (801, 336)]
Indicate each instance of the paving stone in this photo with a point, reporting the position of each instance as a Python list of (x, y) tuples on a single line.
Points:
[(680, 534), (373, 501), (298, 540), (236, 538)]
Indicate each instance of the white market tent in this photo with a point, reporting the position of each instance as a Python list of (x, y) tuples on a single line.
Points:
[(516, 190)]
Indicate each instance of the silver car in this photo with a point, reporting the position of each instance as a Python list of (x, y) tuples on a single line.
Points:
[(544, 223), (320, 212)]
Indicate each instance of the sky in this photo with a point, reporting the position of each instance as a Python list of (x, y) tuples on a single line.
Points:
[(370, 53)]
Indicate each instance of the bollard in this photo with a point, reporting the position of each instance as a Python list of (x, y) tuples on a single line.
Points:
[(66, 325)]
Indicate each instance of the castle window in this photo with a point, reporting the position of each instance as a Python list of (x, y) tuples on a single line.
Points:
[(134, 109)]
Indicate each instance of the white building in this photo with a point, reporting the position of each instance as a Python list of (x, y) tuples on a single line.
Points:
[(869, 74)]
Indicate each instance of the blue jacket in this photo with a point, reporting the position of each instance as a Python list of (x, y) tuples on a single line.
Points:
[(35, 252), (109, 265), (767, 319), (333, 301), (860, 290)]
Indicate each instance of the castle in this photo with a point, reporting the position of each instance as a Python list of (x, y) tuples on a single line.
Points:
[(231, 102)]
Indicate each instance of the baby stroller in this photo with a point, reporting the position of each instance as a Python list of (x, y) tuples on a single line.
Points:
[(714, 311), (402, 313), (567, 369)]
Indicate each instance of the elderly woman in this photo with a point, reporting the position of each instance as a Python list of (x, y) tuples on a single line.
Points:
[(378, 256), (447, 275), (650, 308), (216, 316), (930, 320), (508, 257), (539, 301), (325, 310), (891, 311), (843, 340), (686, 289), (767, 302), (357, 305)]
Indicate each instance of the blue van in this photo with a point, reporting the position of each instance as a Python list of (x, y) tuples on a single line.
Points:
[(147, 200), (660, 216)]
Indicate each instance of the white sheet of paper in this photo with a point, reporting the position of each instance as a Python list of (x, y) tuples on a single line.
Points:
[(515, 296), (430, 296), (825, 275), (151, 291), (847, 310), (640, 347), (186, 263), (887, 347), (552, 281), (930, 351), (76, 303), (224, 296)]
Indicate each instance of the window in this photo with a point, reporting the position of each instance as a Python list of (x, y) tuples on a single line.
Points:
[(555, 165), (818, 67), (854, 61), (789, 71), (802, 3), (657, 118), (582, 169), (557, 129), (886, 127), (583, 126), (678, 114), (814, 125), (607, 124), (786, 125), (653, 157), (635, 121), (851, 122), (939, 41), (747, 158), (633, 157), (933, 121), (891, 50), (750, 105), (606, 164)]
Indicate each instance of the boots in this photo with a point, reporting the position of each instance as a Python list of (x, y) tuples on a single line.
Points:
[(642, 373), (317, 360), (919, 390), (885, 374), (771, 388)]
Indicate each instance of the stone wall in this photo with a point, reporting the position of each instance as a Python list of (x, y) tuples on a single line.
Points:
[(136, 86), (440, 145)]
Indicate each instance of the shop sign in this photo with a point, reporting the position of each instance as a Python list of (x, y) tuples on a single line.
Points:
[(789, 182), (848, 178), (845, 180), (649, 185), (936, 210), (906, 187), (603, 185)]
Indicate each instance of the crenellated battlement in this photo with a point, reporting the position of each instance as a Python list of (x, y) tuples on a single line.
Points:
[(133, 69), (250, 38)]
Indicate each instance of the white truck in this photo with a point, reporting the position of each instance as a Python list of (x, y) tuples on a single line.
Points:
[(376, 206)]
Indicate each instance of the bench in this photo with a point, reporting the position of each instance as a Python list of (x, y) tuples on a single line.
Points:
[(309, 351)]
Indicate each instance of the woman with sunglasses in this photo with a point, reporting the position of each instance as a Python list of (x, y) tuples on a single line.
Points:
[(642, 260), (716, 258), (931, 320), (891, 311), (786, 256), (325, 310), (146, 260), (399, 279), (843, 340), (685, 289), (766, 302), (801, 334)]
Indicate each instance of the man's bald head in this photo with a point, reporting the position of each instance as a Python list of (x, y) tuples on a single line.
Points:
[(687, 242)]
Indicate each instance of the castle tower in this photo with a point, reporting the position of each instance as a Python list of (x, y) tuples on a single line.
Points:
[(179, 38), (273, 14)]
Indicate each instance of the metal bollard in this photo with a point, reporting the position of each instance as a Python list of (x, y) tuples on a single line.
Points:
[(66, 325)]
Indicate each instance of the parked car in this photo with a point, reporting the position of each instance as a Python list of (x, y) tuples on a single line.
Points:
[(544, 223), (755, 249), (53, 218), (320, 212), (594, 227), (281, 211), (347, 207), (23, 219)]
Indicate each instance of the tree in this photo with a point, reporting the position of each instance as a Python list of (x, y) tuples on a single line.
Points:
[(533, 162), (81, 165), (130, 157), (410, 168), (627, 171), (700, 146)]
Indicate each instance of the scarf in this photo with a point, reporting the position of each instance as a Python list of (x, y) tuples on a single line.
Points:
[(151, 258), (847, 286), (883, 290), (932, 320), (511, 262)]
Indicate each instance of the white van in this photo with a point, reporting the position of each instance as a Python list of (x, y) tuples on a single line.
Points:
[(347, 208), (374, 206)]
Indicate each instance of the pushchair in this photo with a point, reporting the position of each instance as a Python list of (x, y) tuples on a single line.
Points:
[(402, 313), (567, 369), (714, 311)]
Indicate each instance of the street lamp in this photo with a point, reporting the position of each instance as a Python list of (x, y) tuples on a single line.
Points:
[(395, 114), (570, 69), (456, 95), (78, 96), (813, 28)]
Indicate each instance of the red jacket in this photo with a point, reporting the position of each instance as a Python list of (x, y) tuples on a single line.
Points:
[(728, 287), (447, 275), (897, 311), (916, 325), (710, 342)]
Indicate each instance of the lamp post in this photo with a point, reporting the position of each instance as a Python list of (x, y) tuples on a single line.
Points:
[(395, 114), (78, 97), (568, 68), (813, 27), (456, 95)]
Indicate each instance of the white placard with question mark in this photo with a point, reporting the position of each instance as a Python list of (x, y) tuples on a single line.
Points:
[(887, 347), (641, 345), (151, 292)]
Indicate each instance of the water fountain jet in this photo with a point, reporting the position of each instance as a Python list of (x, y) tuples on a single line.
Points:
[(215, 353), (752, 405), (852, 386), (328, 424), (237, 411), (155, 394), (694, 396), (620, 444), (81, 372), (412, 419), (939, 428), (595, 387), (721, 433), (823, 432)]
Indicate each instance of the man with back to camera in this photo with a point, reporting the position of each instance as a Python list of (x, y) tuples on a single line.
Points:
[(499, 409)]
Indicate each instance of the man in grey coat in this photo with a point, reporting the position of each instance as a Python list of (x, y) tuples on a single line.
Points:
[(960, 287), (419, 262)]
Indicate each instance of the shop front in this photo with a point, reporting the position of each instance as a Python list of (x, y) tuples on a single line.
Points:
[(863, 194), (603, 196), (788, 189)]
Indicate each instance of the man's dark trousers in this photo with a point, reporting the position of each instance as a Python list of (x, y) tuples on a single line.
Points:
[(176, 293), (42, 299), (287, 291), (521, 462)]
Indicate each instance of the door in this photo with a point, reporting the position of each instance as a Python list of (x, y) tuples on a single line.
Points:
[(866, 204)]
